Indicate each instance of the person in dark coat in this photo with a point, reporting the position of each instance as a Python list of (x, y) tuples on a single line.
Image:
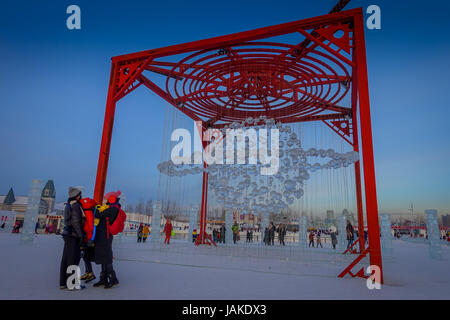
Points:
[(139, 233), (271, 234), (266, 236), (333, 239), (222, 233), (103, 244), (281, 233), (72, 235), (350, 234)]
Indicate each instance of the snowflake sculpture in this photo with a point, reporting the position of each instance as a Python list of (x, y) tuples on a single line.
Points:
[(241, 187)]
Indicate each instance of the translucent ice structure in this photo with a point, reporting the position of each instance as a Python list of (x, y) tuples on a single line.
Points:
[(31, 215)]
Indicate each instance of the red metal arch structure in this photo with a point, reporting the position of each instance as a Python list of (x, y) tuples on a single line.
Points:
[(252, 73)]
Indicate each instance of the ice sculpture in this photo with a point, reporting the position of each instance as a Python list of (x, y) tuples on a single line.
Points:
[(155, 235), (342, 233), (192, 222), (433, 234), (303, 232), (269, 194), (386, 235), (31, 215)]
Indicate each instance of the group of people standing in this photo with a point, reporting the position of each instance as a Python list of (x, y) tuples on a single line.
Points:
[(350, 235), (144, 230), (219, 234), (82, 239), (269, 234), (318, 239)]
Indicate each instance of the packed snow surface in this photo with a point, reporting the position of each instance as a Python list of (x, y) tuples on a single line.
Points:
[(182, 271)]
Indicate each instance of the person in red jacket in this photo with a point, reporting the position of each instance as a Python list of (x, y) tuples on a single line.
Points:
[(311, 239), (168, 231), (87, 247)]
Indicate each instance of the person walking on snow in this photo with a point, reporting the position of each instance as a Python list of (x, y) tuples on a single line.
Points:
[(318, 241), (145, 232), (168, 231), (72, 235), (333, 239), (235, 229), (281, 233), (311, 239), (222, 233), (271, 233), (350, 236), (139, 233)]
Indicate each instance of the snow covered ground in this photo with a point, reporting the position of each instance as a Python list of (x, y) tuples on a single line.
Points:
[(181, 271)]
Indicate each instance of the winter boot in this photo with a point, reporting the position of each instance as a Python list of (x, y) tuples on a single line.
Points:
[(111, 280), (84, 276), (103, 280), (89, 277)]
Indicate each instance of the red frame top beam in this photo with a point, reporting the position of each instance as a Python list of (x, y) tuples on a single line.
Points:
[(256, 34)]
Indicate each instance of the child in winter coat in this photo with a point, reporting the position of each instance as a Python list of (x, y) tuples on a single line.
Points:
[(145, 232), (87, 248)]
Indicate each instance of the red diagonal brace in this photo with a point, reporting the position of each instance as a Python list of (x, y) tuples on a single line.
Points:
[(354, 263), (351, 247)]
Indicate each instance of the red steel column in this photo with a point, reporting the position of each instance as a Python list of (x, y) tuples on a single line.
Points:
[(204, 206), (105, 146), (359, 203), (367, 146)]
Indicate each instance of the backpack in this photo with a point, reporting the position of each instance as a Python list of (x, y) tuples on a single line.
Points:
[(89, 227), (119, 223)]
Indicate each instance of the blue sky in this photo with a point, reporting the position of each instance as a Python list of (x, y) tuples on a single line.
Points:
[(53, 90)]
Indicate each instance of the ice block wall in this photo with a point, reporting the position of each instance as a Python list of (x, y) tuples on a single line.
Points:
[(342, 236), (192, 222), (228, 225), (433, 234), (386, 235), (303, 232), (31, 215), (264, 224), (155, 235)]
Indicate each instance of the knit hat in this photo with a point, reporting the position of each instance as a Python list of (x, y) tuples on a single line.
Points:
[(113, 196), (74, 192)]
